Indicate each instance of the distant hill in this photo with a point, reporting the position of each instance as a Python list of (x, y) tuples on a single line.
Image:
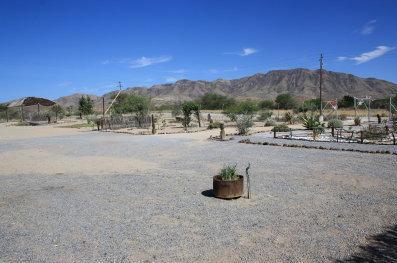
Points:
[(302, 83), (73, 100)]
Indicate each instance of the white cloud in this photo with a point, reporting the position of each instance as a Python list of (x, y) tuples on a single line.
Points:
[(245, 52), (367, 56), (231, 69), (64, 84), (248, 51), (144, 61), (139, 62), (178, 71), (171, 79), (368, 28)]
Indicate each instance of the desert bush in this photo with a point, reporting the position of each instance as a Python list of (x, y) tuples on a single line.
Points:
[(311, 122), (373, 132), (229, 173), (335, 123), (346, 102), (357, 121), (189, 107), (247, 107), (176, 109), (266, 104), (286, 101), (281, 128), (270, 122), (58, 111), (92, 120), (214, 125), (138, 105), (213, 101), (343, 117), (309, 105), (290, 118), (244, 123), (264, 115)]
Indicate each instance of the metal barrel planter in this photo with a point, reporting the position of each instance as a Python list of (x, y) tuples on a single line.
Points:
[(228, 189)]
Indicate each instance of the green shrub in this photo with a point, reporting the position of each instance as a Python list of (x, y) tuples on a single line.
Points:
[(214, 125), (309, 105), (244, 123), (373, 132), (247, 107), (311, 122), (335, 123), (266, 104), (281, 128), (357, 121), (290, 118), (265, 115), (176, 109), (213, 101), (343, 117), (286, 101), (229, 173), (189, 107), (346, 102), (270, 122)]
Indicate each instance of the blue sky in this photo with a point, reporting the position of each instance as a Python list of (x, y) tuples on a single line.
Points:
[(55, 48)]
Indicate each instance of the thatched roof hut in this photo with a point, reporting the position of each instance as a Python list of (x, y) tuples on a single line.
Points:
[(30, 101)]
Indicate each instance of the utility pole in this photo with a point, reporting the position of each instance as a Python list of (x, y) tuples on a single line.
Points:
[(120, 85), (321, 88), (103, 106)]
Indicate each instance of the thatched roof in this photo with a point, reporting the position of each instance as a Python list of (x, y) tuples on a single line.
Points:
[(29, 101)]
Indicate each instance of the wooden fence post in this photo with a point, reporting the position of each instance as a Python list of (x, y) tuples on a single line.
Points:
[(153, 125)]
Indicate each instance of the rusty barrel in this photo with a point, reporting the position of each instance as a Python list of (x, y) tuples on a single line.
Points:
[(228, 189)]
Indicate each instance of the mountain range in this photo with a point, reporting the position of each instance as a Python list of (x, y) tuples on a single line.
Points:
[(301, 83)]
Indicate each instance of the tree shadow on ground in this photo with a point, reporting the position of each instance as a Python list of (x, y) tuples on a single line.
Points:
[(208, 193), (381, 248)]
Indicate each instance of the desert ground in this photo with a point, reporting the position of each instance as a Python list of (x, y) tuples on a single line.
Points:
[(76, 195)]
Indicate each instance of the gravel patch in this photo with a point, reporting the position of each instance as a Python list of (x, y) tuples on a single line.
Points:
[(307, 205)]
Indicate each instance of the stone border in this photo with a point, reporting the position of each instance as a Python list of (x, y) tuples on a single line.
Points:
[(248, 141)]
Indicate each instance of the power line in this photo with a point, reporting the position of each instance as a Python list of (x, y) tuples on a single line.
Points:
[(321, 82)]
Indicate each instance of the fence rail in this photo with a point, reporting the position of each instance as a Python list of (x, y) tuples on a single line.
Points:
[(123, 122)]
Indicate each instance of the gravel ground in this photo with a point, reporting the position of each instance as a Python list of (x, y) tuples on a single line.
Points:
[(308, 205)]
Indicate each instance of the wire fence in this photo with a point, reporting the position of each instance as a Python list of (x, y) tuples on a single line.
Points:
[(123, 122)]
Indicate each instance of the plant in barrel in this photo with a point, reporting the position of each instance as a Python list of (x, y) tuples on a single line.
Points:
[(228, 184)]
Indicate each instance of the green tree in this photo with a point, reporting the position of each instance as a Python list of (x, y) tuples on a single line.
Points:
[(310, 105), (266, 104), (247, 107), (3, 107), (138, 105), (286, 101), (346, 102), (86, 105), (58, 111), (189, 107), (213, 101)]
